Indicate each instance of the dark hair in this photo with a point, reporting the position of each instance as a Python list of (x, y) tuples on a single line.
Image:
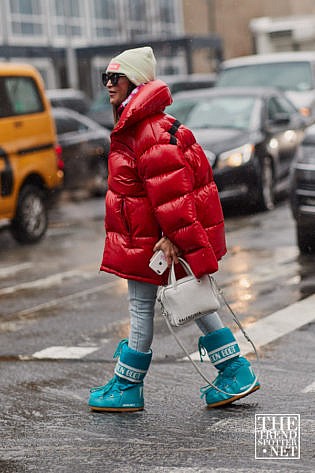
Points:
[(131, 87)]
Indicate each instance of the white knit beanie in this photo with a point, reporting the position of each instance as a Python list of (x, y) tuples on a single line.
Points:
[(137, 64)]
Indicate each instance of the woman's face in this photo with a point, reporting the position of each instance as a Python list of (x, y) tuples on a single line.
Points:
[(119, 92)]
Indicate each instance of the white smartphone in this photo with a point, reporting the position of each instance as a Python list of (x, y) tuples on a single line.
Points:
[(158, 262)]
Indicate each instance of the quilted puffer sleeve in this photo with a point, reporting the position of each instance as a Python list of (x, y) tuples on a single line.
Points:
[(169, 182)]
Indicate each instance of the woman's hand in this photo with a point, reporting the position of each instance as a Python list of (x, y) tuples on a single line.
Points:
[(170, 251)]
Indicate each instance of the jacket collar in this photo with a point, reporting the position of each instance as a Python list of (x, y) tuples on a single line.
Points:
[(151, 98), (127, 100)]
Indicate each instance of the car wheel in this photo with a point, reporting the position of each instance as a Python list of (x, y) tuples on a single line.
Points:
[(305, 239), (266, 190), (31, 219)]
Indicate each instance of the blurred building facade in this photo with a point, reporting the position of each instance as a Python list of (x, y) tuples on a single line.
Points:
[(255, 26), (70, 41), (295, 33)]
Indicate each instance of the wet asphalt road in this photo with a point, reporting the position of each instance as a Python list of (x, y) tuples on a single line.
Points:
[(52, 295)]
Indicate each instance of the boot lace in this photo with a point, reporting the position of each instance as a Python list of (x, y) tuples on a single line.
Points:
[(224, 379), (119, 347), (104, 389), (113, 384), (202, 350)]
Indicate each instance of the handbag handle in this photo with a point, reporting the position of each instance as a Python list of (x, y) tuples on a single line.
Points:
[(172, 277)]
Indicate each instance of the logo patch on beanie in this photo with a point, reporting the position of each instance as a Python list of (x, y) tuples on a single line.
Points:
[(114, 66)]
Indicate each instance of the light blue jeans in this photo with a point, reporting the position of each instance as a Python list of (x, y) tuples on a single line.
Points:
[(142, 298)]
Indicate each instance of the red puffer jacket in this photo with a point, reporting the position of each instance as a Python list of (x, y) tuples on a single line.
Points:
[(160, 183)]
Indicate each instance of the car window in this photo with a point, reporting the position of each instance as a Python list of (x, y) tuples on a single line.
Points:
[(69, 125), (286, 105), (75, 104), (272, 108), (20, 96), (5, 107), (284, 75), (101, 102), (186, 85), (180, 109), (222, 112), (278, 105)]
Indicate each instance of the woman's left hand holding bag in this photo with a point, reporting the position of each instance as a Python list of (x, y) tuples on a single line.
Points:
[(170, 250)]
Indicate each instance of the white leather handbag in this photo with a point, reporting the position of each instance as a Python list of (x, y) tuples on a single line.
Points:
[(188, 298)]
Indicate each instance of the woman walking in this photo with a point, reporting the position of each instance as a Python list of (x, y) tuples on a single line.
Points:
[(161, 196)]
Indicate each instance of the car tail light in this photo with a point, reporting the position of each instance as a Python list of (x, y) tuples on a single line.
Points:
[(60, 163)]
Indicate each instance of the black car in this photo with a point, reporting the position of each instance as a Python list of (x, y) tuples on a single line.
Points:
[(302, 193), (85, 146), (250, 137)]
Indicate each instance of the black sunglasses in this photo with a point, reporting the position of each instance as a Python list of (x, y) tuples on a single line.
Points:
[(112, 76)]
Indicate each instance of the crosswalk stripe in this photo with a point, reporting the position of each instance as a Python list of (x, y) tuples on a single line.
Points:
[(48, 281), (309, 389), (60, 352), (14, 268), (61, 300)]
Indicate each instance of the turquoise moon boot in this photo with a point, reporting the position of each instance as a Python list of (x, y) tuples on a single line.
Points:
[(124, 392), (235, 372)]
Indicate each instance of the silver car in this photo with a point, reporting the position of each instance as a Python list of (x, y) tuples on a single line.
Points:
[(292, 72)]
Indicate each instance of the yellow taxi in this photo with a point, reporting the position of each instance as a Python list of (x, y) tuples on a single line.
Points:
[(30, 158)]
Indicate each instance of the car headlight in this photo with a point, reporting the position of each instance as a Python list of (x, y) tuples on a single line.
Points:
[(235, 157)]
